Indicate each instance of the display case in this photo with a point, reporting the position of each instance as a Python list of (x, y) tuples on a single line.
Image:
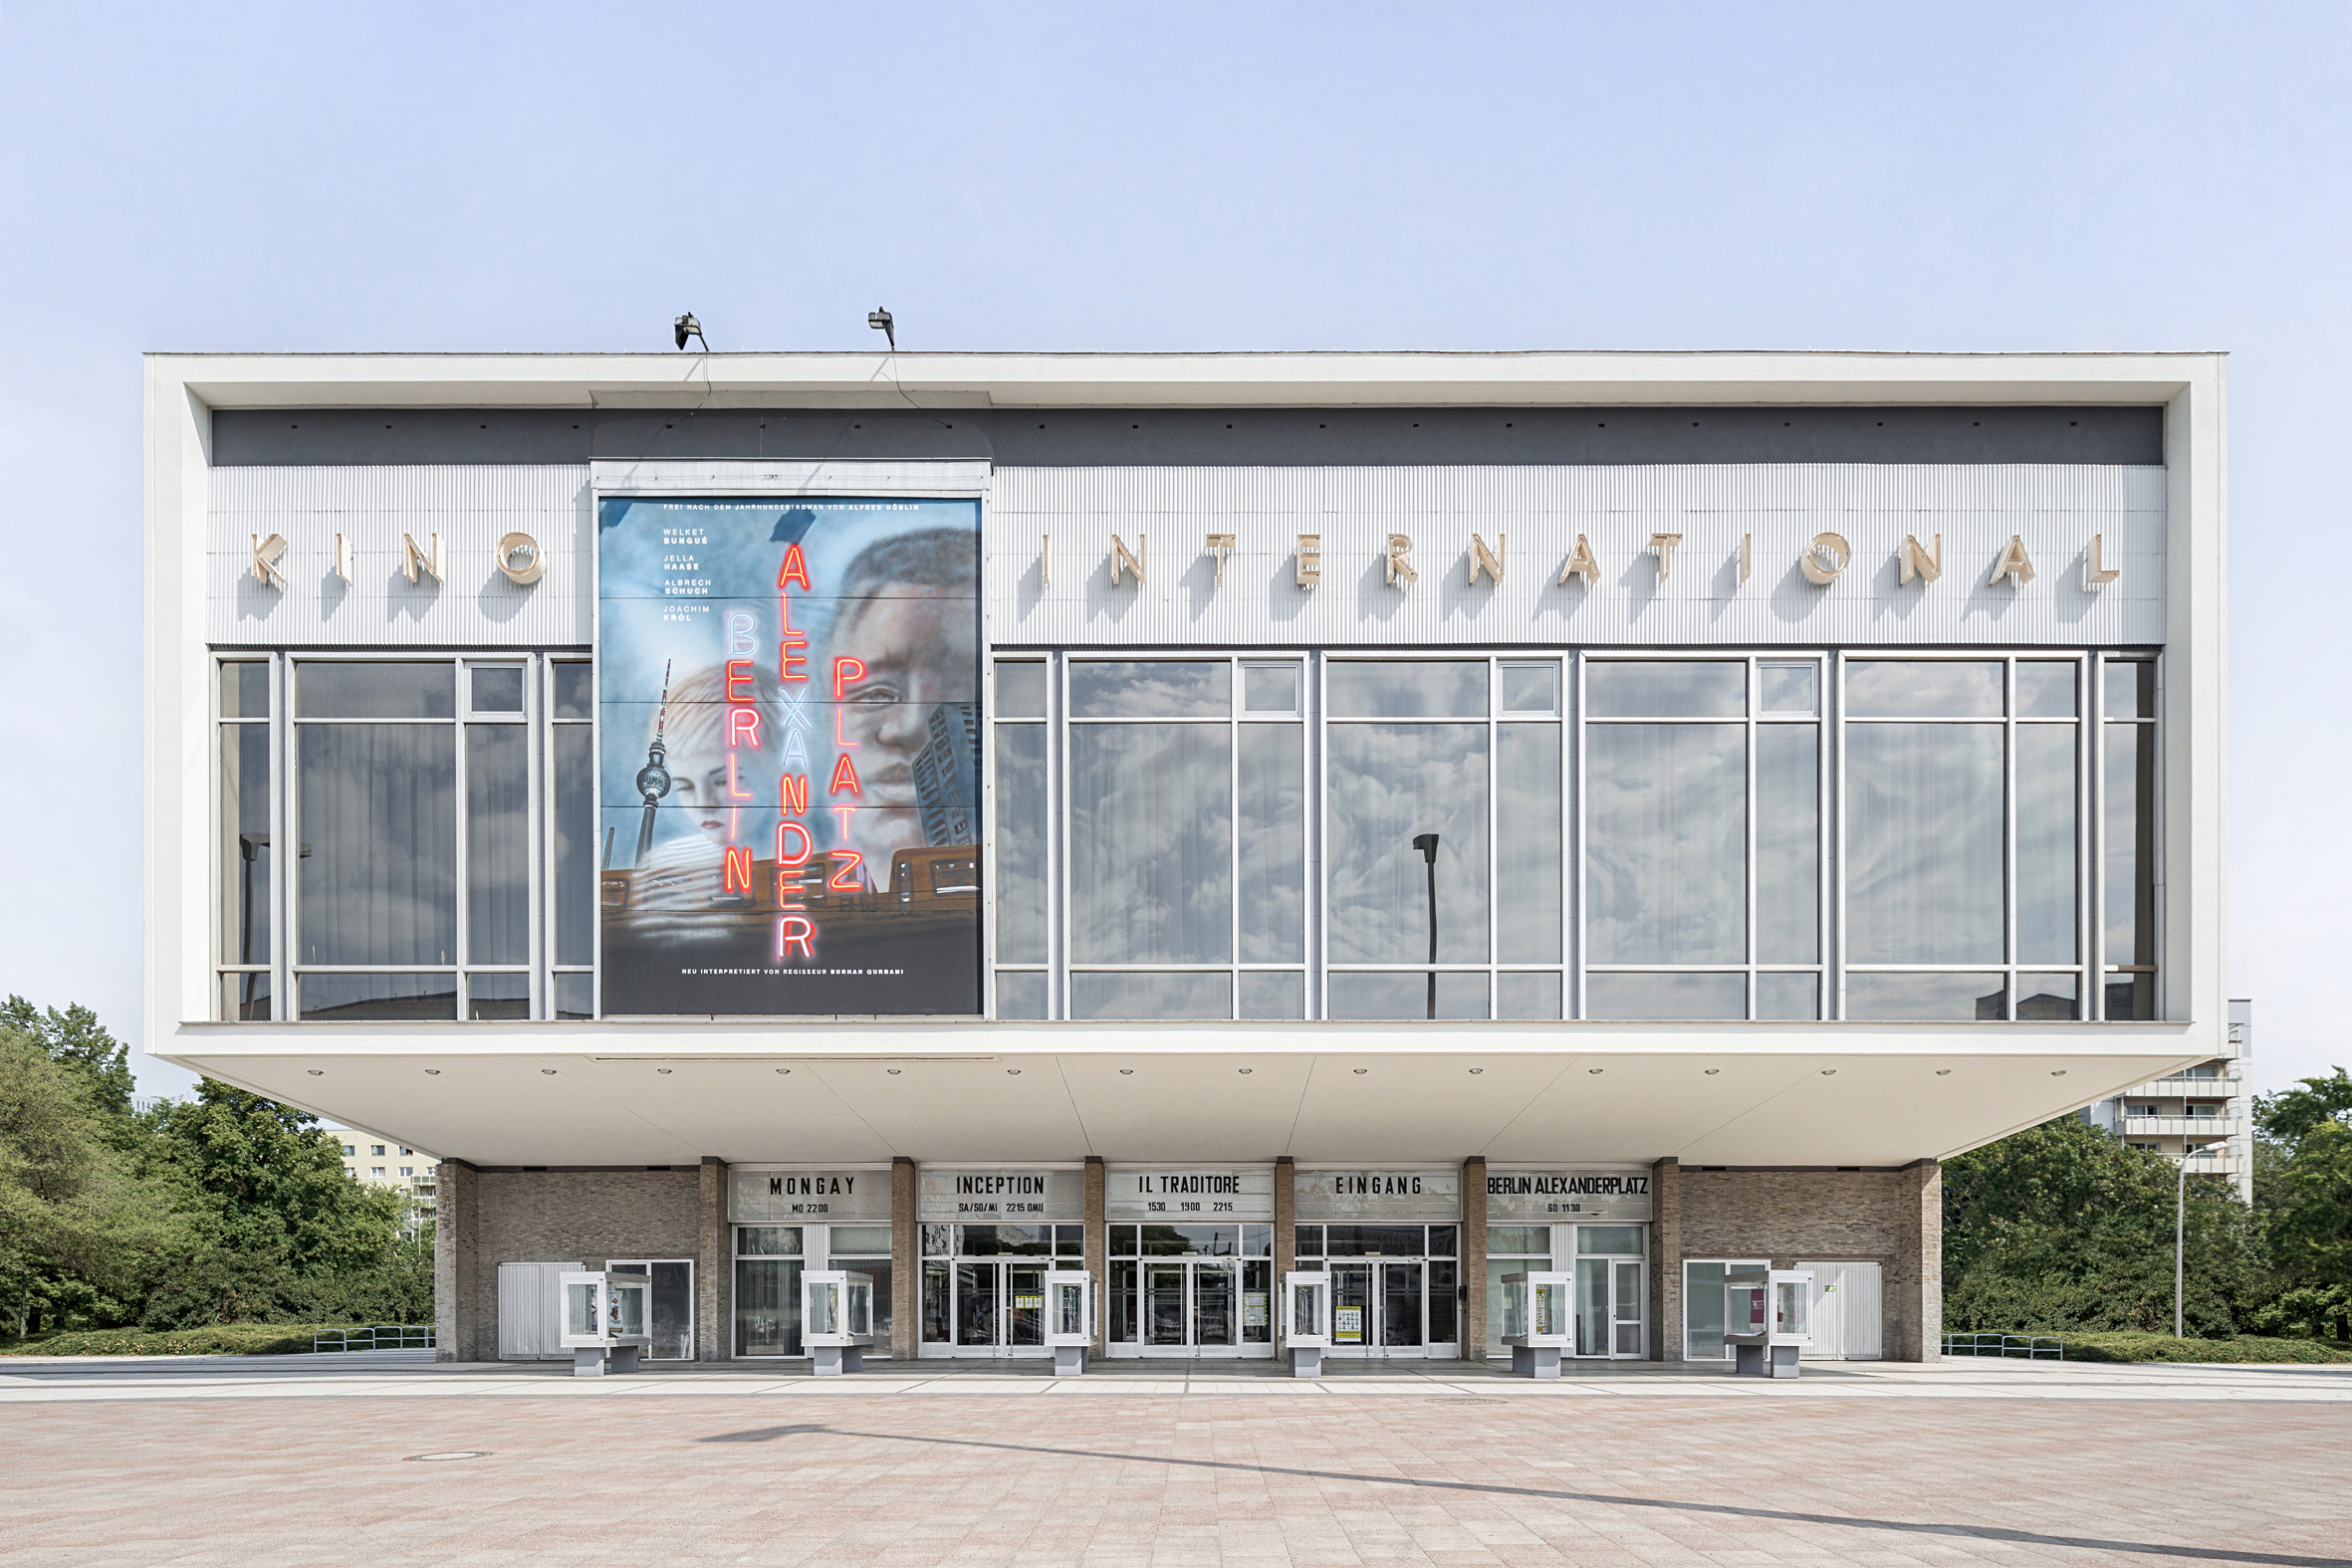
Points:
[(1070, 1318), (836, 1319), (607, 1322), (1535, 1321), (1767, 1319), (1307, 1321)]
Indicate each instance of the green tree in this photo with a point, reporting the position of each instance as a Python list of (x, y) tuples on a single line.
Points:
[(76, 1039), (272, 1214), (2062, 1226), (2304, 1137), (70, 1207)]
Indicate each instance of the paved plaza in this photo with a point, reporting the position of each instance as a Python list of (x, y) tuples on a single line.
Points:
[(389, 1460)]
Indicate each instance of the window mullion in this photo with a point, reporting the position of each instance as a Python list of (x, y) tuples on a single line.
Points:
[(2009, 836)]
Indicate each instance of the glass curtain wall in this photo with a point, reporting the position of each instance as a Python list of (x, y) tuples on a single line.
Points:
[(1963, 788), (1444, 838), (1996, 829), (1703, 838), (443, 809)]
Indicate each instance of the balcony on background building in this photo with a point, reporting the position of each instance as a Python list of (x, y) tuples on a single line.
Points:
[(2182, 1126)]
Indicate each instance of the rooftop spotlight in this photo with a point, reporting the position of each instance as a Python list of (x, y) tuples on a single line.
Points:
[(688, 327), (879, 321)]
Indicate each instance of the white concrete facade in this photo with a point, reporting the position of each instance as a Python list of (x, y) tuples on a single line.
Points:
[(1838, 1094)]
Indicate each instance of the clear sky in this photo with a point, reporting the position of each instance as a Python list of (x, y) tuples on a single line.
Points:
[(1197, 176)]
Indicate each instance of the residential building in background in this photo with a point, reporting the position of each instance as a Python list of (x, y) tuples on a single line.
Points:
[(2201, 1114), (380, 1161), (1413, 817)]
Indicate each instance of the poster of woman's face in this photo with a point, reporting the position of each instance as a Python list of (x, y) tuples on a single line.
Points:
[(790, 756)]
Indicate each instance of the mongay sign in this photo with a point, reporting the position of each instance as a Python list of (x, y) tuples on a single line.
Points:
[(757, 1195)]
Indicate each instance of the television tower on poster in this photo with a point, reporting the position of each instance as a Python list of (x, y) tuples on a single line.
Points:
[(653, 780)]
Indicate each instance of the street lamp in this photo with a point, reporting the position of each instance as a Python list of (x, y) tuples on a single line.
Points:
[(1427, 844), (2180, 1225)]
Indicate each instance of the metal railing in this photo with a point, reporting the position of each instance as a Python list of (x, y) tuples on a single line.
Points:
[(2032, 1347), (376, 1336)]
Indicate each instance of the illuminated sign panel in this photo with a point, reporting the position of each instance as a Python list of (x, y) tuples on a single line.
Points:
[(784, 686)]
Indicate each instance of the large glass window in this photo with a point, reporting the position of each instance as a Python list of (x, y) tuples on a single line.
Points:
[(1186, 785), (427, 795), (1962, 782), (2128, 808), (1703, 838)]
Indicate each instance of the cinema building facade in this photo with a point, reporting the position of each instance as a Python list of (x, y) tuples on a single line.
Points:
[(1188, 817)]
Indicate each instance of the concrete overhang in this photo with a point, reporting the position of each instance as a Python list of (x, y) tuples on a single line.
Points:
[(1174, 380), (1763, 1095)]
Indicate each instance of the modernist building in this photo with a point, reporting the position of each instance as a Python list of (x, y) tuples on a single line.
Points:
[(2201, 1115), (1187, 815)]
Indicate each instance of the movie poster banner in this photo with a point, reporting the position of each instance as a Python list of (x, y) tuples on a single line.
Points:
[(790, 727)]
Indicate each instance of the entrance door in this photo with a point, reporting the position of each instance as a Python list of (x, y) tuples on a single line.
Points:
[(1163, 1305), (1612, 1309), (1024, 1306), (1379, 1310), (1847, 1312), (1216, 1306)]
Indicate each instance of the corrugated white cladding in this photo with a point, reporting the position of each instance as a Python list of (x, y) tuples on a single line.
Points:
[(471, 507), (1050, 555)]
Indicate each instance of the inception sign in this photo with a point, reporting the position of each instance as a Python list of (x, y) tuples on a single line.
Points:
[(1517, 1196), (1001, 1197)]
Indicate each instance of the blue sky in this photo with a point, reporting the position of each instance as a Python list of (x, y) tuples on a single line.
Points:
[(1203, 176)]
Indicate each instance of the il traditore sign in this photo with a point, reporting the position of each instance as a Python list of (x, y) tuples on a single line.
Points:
[(1188, 1195)]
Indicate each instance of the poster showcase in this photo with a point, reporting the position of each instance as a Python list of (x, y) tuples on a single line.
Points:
[(790, 736)]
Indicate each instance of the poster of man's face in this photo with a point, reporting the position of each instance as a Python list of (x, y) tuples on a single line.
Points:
[(790, 756)]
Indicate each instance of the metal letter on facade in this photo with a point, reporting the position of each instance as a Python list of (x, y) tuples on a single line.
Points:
[(1219, 545), (1922, 560), (1825, 556), (1399, 547), (2013, 563), (414, 560), (1663, 544), (1490, 561), (1131, 559), (534, 559), (1580, 564), (265, 559), (1311, 560), (2096, 573)]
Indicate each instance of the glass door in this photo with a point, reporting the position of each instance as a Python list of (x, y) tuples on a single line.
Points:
[(1025, 1312), (673, 1304), (1400, 1305), (1163, 1305), (1627, 1300), (1351, 1307), (976, 1305), (1215, 1302)]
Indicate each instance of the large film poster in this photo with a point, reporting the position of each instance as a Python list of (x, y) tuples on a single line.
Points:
[(791, 756)]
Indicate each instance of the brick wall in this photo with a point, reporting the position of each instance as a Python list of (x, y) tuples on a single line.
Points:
[(1890, 1218), (539, 1217)]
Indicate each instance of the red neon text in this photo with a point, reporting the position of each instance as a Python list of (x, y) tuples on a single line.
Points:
[(793, 854), (848, 861), (846, 779), (845, 670), (795, 569), (791, 658), (742, 724), (735, 789), (739, 673), (739, 871), (793, 795), (794, 931)]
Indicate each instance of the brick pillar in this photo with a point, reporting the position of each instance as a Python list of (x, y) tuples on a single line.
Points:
[(1097, 1250), (714, 1267), (1666, 1259), (906, 1263), (1474, 1258), (457, 1273), (1286, 1221), (1915, 1280)]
